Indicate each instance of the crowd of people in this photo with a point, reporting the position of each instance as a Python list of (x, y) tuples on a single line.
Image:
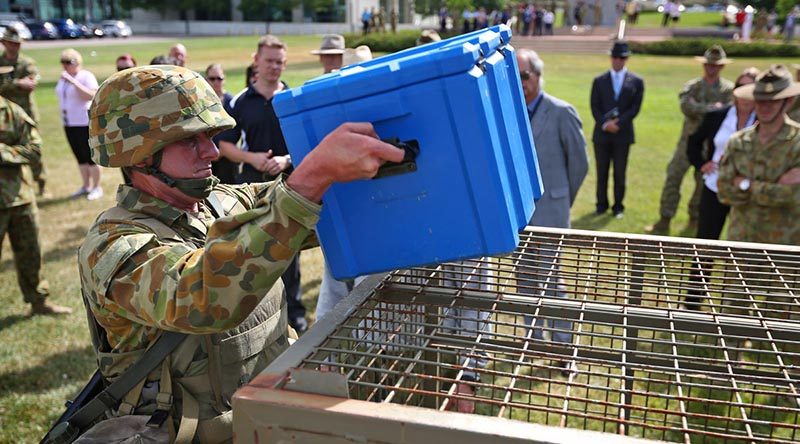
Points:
[(205, 235)]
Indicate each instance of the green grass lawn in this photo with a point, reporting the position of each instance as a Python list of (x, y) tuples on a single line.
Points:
[(44, 361), (688, 19)]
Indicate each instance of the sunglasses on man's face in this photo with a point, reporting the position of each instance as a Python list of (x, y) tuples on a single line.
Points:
[(216, 79), (525, 75), (619, 57), (69, 62)]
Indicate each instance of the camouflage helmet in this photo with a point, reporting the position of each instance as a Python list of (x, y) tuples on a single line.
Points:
[(138, 111)]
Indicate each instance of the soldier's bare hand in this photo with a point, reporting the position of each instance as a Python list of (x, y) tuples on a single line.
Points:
[(351, 152), (791, 177), (26, 83)]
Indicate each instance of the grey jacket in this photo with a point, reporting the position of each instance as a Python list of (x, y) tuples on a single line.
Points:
[(563, 160)]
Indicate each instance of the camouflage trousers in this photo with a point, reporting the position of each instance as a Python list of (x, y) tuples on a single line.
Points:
[(671, 193), (22, 225)]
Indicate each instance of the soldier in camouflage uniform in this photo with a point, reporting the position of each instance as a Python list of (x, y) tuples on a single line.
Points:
[(20, 145), (759, 176), (698, 97), (181, 252), (18, 85)]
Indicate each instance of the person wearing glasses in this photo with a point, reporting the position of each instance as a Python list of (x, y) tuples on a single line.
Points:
[(125, 61), (563, 162), (223, 168), (75, 91), (616, 99)]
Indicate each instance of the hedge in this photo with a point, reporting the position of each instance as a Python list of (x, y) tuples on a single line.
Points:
[(696, 47), (386, 42)]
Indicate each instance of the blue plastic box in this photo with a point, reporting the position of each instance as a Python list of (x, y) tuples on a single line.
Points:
[(468, 191), (514, 118)]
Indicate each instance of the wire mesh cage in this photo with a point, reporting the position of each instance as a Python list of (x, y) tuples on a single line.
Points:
[(656, 338)]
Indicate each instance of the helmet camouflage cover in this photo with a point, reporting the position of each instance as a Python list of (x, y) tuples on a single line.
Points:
[(136, 112)]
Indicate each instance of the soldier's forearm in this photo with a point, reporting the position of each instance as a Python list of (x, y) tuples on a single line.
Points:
[(774, 195)]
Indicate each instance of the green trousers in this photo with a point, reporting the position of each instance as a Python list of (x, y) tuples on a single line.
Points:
[(22, 225), (671, 193)]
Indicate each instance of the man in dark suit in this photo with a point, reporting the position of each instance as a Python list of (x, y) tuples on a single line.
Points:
[(616, 98)]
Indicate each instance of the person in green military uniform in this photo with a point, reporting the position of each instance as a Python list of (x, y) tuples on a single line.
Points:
[(181, 252), (759, 176), (20, 145), (18, 85), (699, 96)]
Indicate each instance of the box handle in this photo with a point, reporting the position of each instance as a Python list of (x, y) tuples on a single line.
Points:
[(407, 165)]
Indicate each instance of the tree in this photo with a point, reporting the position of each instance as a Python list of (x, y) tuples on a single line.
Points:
[(167, 5), (784, 6)]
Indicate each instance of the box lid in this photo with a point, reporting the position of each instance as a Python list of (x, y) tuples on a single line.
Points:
[(385, 74)]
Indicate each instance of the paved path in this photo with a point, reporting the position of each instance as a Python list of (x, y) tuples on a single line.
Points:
[(585, 41)]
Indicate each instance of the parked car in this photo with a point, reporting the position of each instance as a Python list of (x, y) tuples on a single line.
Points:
[(97, 29), (89, 30), (23, 30), (41, 30), (116, 28), (67, 28)]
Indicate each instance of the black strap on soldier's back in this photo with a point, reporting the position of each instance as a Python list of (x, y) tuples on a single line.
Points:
[(71, 429)]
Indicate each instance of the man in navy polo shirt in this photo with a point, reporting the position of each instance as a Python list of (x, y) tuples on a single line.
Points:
[(263, 154)]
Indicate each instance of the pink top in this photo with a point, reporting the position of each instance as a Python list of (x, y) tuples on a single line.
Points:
[(74, 109)]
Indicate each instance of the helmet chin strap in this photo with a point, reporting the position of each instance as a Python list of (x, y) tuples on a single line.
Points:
[(195, 188), (777, 114)]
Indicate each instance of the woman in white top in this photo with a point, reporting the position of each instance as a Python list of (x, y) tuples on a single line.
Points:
[(705, 148), (75, 90)]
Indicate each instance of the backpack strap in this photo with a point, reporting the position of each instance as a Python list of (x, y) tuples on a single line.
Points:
[(108, 398)]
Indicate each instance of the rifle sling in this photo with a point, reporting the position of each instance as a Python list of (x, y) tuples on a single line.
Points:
[(109, 397)]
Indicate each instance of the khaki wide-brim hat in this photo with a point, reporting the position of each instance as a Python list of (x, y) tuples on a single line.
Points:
[(6, 69), (714, 55), (356, 55), (11, 35), (331, 44), (773, 84)]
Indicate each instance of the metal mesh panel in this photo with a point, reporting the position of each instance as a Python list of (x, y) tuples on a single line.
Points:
[(591, 331)]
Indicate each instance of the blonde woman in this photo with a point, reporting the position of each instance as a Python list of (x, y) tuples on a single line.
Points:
[(75, 90)]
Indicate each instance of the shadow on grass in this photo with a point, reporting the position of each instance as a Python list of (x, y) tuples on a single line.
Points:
[(58, 369), (10, 320), (53, 201), (591, 221), (66, 249)]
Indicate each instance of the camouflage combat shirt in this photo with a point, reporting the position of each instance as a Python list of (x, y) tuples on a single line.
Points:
[(206, 281), (23, 67), (20, 144), (767, 212), (697, 98)]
